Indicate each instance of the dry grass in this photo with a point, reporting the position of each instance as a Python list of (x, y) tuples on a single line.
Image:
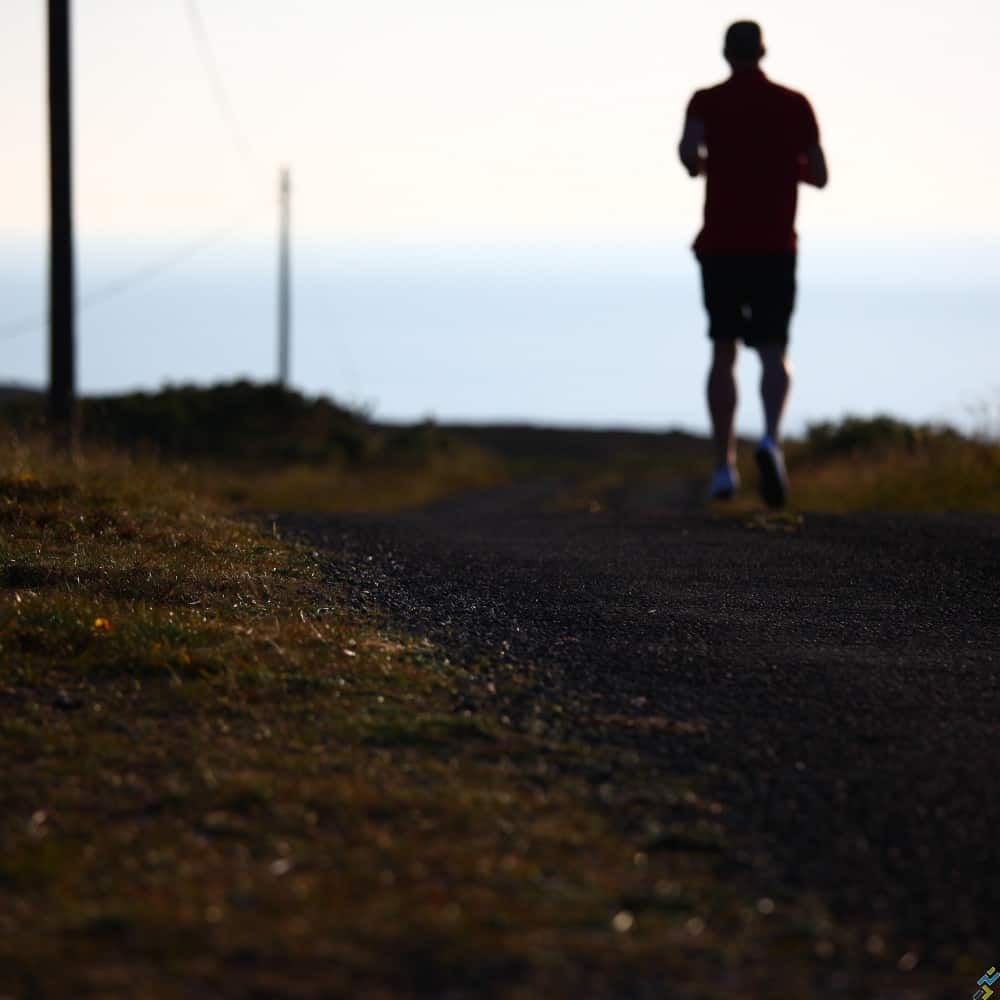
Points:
[(881, 465), (218, 783), (338, 486), (933, 480), (855, 464), (263, 447)]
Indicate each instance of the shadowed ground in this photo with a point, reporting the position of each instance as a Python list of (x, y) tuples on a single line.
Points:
[(832, 678)]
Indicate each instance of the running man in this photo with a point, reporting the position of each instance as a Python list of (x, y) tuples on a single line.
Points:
[(754, 141)]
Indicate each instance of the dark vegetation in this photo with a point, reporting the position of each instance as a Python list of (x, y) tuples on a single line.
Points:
[(872, 436), (881, 463), (263, 447), (240, 423)]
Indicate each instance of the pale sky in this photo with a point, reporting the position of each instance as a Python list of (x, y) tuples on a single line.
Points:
[(472, 117)]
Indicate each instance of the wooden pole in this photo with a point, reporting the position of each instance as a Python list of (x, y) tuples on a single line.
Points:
[(62, 355), (284, 278)]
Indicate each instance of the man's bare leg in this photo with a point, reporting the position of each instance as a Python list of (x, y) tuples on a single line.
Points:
[(775, 381), (722, 400)]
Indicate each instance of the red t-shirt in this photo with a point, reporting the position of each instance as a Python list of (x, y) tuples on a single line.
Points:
[(756, 133)]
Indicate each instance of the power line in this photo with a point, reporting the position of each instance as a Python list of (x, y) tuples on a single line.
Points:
[(140, 275), (218, 87), (115, 287), (36, 322)]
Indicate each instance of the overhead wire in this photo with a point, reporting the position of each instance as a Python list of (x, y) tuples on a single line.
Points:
[(123, 283), (140, 275), (211, 64)]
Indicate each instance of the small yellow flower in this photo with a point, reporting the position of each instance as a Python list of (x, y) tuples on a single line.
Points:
[(101, 625)]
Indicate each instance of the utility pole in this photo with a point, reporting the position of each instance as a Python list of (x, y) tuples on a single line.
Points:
[(284, 277), (62, 354)]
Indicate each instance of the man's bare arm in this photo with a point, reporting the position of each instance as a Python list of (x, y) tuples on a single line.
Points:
[(814, 167), (692, 146)]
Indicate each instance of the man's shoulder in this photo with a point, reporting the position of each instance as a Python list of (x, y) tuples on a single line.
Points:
[(729, 96), (730, 86), (787, 93), (712, 91), (706, 96)]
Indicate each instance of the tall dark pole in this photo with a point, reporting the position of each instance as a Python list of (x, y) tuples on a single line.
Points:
[(62, 359), (284, 278)]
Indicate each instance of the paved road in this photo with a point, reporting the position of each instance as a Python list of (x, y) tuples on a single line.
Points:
[(845, 670)]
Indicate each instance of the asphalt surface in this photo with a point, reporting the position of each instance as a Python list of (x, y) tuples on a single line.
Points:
[(842, 673)]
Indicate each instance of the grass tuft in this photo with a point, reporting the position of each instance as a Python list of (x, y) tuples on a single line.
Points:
[(881, 464)]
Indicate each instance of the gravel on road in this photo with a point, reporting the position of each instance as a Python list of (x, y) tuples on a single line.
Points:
[(835, 677)]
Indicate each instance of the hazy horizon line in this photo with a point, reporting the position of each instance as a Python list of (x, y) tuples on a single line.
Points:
[(946, 259)]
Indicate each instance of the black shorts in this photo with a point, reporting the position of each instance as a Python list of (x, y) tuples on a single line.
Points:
[(749, 297)]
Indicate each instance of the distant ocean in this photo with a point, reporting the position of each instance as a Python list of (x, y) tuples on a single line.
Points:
[(587, 334)]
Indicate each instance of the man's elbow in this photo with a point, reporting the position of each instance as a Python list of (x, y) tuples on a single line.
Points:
[(691, 158), (815, 171)]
